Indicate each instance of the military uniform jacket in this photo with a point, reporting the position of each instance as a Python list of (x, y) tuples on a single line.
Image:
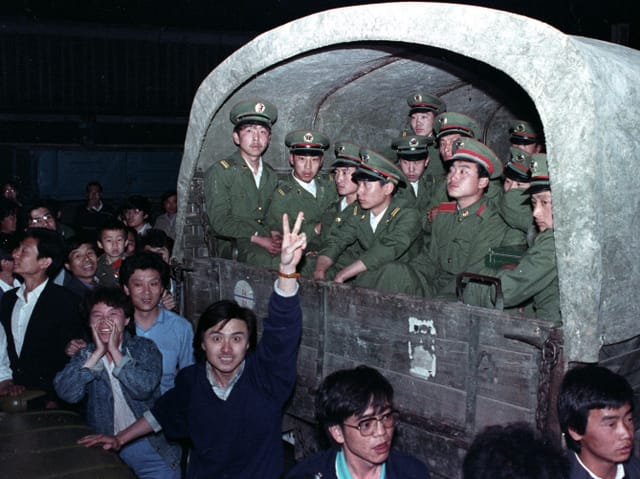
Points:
[(397, 237), (292, 198), (425, 200), (332, 221), (235, 206), (460, 239)]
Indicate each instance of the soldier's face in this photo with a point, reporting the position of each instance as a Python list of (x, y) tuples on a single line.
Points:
[(445, 145), (344, 184), (528, 149), (463, 183), (510, 184), (252, 140), (413, 169), (422, 123), (374, 195), (305, 168), (542, 210)]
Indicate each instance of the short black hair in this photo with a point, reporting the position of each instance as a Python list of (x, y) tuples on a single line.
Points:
[(221, 312), (585, 388), (112, 224), (168, 194), (75, 242), (156, 238), (144, 260), (137, 202), (243, 124), (513, 451), (349, 392), (93, 183), (50, 245), (113, 297)]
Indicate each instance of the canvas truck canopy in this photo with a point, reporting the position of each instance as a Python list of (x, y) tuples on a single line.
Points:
[(347, 72)]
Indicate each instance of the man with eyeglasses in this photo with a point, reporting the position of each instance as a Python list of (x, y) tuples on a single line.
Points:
[(355, 409)]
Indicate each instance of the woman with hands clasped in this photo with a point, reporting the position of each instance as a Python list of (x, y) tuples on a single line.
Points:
[(229, 404), (119, 373)]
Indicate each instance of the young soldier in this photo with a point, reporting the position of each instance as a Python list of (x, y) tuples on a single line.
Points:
[(345, 206), (238, 188), (423, 108), (304, 190), (595, 411), (388, 231), (355, 409)]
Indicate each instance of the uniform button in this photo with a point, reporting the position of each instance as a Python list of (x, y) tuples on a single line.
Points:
[(259, 208), (449, 260)]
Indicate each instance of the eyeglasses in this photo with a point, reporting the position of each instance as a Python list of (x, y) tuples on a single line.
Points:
[(368, 426), (41, 219)]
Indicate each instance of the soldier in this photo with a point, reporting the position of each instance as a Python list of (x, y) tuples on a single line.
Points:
[(389, 231), (239, 188), (450, 126), (304, 190), (412, 152), (423, 108), (526, 137), (462, 231), (346, 205), (535, 277)]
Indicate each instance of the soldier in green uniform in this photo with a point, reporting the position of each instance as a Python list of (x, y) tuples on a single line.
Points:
[(239, 188), (346, 205), (304, 190), (463, 231), (388, 231), (536, 276), (423, 108), (526, 136)]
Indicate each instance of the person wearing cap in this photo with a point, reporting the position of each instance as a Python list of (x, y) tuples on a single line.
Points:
[(413, 157), (346, 205), (462, 232), (238, 189), (423, 108), (526, 136), (303, 190), (535, 277), (388, 231)]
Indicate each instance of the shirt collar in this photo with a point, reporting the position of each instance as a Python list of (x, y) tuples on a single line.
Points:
[(619, 469), (35, 293), (223, 392)]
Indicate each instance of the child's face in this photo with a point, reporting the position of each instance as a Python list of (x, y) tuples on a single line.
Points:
[(113, 242)]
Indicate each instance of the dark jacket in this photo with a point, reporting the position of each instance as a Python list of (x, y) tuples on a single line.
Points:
[(54, 322), (631, 468), (323, 465)]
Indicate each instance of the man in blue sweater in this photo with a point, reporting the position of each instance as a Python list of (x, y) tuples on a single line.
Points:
[(229, 404), (355, 409)]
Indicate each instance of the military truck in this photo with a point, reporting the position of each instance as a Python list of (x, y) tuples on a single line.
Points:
[(456, 368)]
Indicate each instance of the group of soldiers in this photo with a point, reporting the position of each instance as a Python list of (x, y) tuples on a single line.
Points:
[(446, 204)]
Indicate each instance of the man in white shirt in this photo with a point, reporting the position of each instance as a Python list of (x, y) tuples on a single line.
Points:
[(39, 317)]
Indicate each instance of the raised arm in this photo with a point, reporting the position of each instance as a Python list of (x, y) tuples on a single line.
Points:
[(293, 244)]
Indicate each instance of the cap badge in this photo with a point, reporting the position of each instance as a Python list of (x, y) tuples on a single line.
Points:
[(533, 167), (442, 120), (413, 142), (365, 158), (308, 137), (417, 97), (341, 148), (259, 108), (520, 127), (520, 158)]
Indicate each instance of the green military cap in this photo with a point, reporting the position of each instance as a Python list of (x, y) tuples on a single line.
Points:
[(468, 149), (347, 154), (307, 142), (375, 167), (412, 147), (424, 102), (539, 174), (524, 133), (517, 167), (451, 122), (254, 111)]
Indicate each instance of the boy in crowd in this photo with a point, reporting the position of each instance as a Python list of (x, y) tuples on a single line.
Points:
[(112, 239), (355, 409), (595, 411)]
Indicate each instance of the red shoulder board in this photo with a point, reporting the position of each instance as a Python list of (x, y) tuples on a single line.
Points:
[(449, 207), (481, 210)]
